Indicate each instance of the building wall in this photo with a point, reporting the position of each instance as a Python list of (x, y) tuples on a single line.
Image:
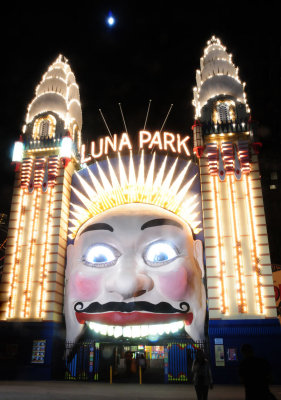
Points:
[(239, 277), (32, 285)]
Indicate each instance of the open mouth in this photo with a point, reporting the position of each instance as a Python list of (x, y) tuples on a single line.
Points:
[(134, 324), (135, 331), (133, 319)]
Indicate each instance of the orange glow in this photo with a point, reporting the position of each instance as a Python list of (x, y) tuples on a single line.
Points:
[(43, 266), (112, 142), (254, 246), (93, 149), (169, 139), (156, 141), (83, 158), (182, 143), (125, 142), (240, 280), (144, 137), (17, 250), (221, 262), (30, 257)]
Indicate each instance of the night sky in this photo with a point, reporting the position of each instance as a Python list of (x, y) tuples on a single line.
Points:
[(151, 53)]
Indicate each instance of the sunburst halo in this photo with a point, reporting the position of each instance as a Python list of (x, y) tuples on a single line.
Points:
[(165, 189)]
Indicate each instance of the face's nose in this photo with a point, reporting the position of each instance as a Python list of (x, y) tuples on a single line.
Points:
[(129, 280)]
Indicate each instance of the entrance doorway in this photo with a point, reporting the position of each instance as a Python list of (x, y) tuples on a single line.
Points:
[(161, 362), (135, 363)]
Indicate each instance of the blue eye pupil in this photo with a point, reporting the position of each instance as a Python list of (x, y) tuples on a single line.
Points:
[(160, 252), (100, 258), (100, 254), (160, 257)]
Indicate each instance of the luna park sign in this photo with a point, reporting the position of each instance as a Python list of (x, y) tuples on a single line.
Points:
[(164, 141)]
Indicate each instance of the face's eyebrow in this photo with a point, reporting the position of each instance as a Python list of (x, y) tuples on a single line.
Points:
[(96, 227), (159, 222)]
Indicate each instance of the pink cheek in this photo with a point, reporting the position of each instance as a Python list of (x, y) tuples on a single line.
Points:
[(85, 288), (174, 285)]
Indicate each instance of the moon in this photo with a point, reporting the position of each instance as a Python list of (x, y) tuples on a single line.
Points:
[(110, 20)]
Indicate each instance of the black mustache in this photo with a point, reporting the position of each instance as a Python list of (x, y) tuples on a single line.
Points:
[(162, 307)]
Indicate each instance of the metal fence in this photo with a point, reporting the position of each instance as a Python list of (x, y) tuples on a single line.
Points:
[(180, 358), (83, 361)]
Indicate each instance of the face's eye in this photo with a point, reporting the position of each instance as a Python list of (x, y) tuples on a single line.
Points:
[(160, 253), (101, 255)]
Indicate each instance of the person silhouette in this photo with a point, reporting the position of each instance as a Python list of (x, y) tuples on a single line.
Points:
[(202, 377), (254, 373)]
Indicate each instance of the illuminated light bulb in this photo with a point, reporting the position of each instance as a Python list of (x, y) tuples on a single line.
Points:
[(18, 152), (66, 147), (117, 331)]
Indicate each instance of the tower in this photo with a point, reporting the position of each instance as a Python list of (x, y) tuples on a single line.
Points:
[(45, 158), (239, 276)]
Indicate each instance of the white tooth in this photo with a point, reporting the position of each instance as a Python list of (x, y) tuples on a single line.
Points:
[(152, 329), (127, 332), (136, 331), (96, 327), (167, 328), (144, 330), (180, 324), (160, 329), (110, 330), (103, 329), (174, 327), (117, 331)]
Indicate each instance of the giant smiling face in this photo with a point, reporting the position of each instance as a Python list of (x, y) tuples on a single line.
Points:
[(135, 265)]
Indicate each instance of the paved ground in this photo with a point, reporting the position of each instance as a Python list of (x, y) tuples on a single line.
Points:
[(60, 390)]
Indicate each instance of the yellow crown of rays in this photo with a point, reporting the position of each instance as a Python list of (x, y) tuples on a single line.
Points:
[(167, 190)]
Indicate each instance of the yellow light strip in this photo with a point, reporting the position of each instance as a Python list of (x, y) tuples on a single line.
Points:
[(219, 246), (10, 312), (254, 246), (240, 279), (43, 268), (43, 254), (29, 262)]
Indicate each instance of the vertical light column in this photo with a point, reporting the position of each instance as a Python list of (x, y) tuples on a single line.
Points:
[(240, 279), (213, 252), (25, 311), (269, 310), (24, 244), (226, 219), (45, 251), (254, 247), (53, 283), (221, 257), (243, 216), (14, 266)]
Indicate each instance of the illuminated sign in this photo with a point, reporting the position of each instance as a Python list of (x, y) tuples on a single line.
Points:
[(166, 141)]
